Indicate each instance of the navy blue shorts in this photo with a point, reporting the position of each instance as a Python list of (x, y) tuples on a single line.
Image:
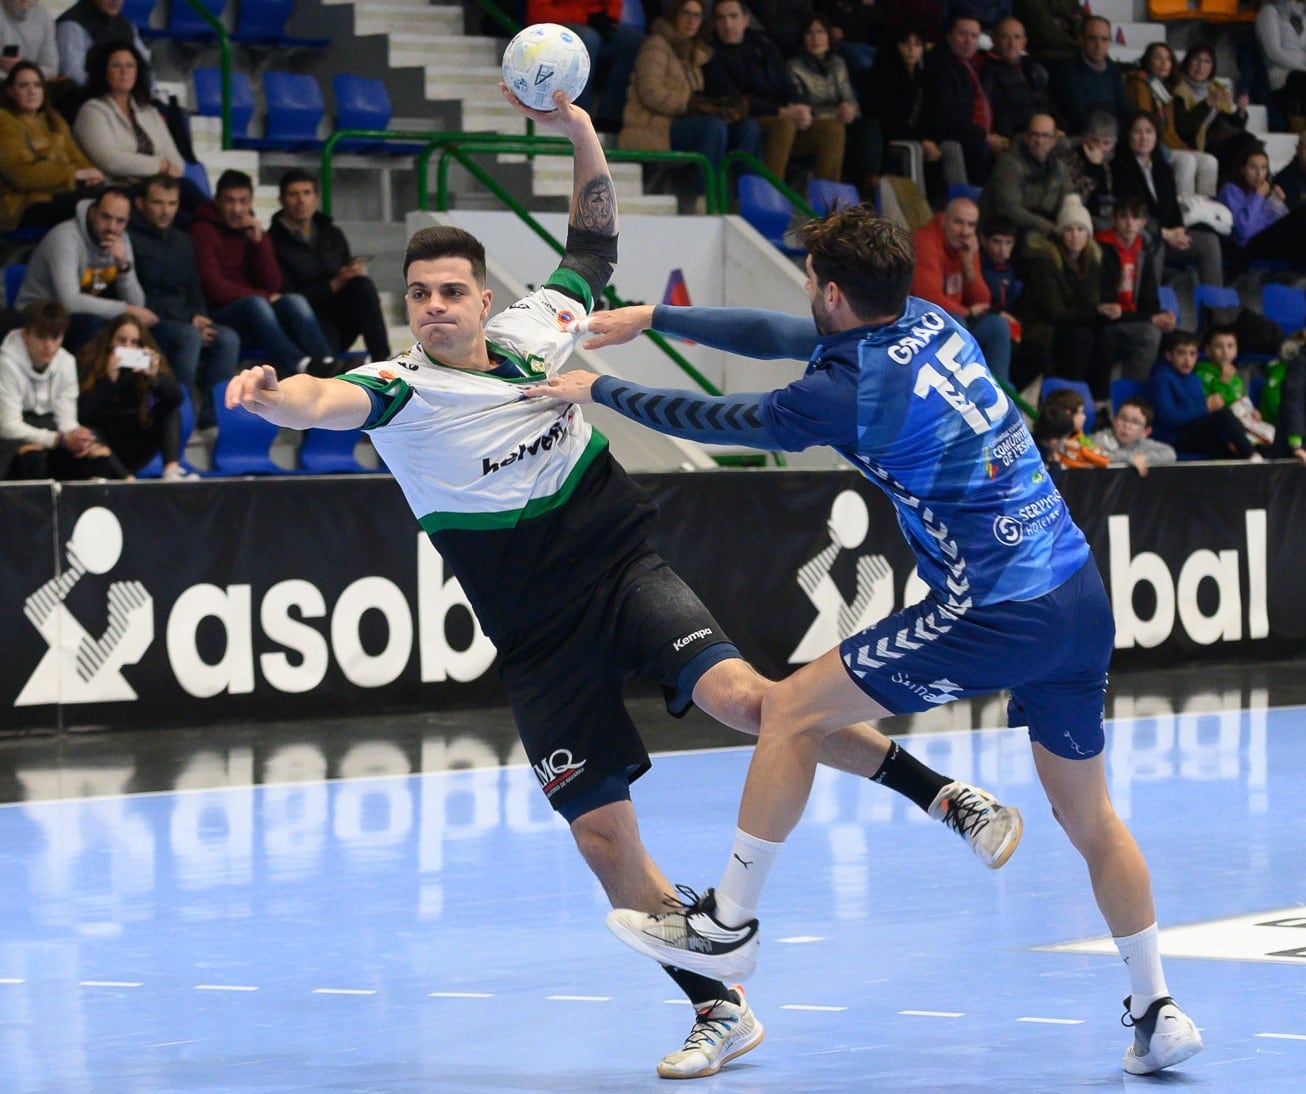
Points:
[(1051, 652)]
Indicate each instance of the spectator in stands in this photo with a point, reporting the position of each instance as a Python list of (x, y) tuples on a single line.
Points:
[(1148, 90), (90, 23), (855, 27), (242, 283), (1140, 170), (822, 76), (318, 263), (1207, 116), (1184, 416), (1060, 309), (202, 353), (1090, 80), (666, 108), (1073, 449), (1291, 181), (1281, 34), (129, 396), (1221, 377), (892, 95), (1052, 25), (1028, 183), (1088, 165), (86, 264), (957, 106), (746, 62), (948, 274), (44, 171), (611, 45), (924, 16), (1018, 86), (1128, 439), (121, 130), (785, 22), (1263, 226), (1283, 399), (997, 244), (1131, 337), (40, 436), (28, 28)]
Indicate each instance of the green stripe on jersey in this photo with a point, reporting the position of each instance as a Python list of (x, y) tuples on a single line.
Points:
[(485, 522), (573, 284), (398, 390)]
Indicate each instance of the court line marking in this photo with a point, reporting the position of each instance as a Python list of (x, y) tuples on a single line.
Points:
[(934, 1013), (799, 939), (1284, 1036), (344, 991), (226, 987), (11, 980), (812, 1006), (1054, 1021), (110, 984), (460, 995), (579, 998)]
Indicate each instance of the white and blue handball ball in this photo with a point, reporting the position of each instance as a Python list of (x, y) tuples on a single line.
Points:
[(542, 59)]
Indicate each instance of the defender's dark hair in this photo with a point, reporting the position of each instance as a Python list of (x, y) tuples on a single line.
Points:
[(870, 258)]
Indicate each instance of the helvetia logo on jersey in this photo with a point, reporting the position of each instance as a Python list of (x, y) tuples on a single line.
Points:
[(545, 441), (557, 769)]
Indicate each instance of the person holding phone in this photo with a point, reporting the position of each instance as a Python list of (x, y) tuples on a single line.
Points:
[(316, 262), (27, 34), (129, 396)]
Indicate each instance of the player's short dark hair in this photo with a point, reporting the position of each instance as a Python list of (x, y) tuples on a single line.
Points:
[(45, 319), (446, 241), (231, 179), (870, 258), (1177, 338), (998, 226), (294, 175), (1140, 404)]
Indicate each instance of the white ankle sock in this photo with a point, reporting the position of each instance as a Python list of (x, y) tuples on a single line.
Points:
[(1142, 956), (740, 891)]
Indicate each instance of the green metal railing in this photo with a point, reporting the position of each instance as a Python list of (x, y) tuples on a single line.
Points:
[(224, 65)]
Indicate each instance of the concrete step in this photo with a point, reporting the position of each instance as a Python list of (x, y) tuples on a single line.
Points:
[(1121, 11), (1280, 148), (1138, 35), (447, 51), (467, 81), (385, 16)]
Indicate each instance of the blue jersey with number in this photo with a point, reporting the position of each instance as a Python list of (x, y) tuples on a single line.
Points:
[(914, 406)]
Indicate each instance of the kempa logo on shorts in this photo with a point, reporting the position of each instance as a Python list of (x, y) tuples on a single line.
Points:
[(556, 770), (681, 643)]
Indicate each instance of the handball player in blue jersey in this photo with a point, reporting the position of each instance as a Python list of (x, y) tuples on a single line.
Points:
[(902, 391)]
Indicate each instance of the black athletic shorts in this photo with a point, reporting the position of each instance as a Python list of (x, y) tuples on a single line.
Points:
[(565, 684)]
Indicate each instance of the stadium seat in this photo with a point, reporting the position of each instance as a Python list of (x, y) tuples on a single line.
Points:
[(328, 451), (244, 441), (767, 210), (963, 190), (825, 196), (208, 98), (295, 108), (363, 103), (185, 24), (154, 468), (200, 177), (1286, 305), (1169, 301), (1126, 389), (138, 12), (1212, 296), (263, 23), (14, 274), (1054, 383), (1168, 9)]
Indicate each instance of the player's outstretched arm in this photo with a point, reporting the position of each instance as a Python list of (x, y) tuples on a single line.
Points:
[(749, 332), (299, 402)]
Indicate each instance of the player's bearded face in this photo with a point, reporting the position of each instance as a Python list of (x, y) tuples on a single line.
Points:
[(816, 295)]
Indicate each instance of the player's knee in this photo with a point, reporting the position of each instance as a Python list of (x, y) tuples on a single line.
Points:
[(731, 691), (602, 844), (785, 712)]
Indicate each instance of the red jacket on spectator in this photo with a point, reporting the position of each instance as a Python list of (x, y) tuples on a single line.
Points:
[(570, 11), (940, 276), (231, 265)]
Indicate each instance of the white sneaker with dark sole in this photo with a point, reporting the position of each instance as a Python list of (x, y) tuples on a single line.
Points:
[(1163, 1037), (991, 829), (723, 1031), (690, 937)]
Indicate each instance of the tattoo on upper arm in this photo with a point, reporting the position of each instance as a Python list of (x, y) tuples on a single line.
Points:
[(597, 208)]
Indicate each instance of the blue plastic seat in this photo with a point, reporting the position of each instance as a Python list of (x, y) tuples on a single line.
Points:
[(263, 23), (826, 196), (185, 24), (330, 451), (1126, 389), (244, 441), (1286, 305), (208, 98), (138, 12), (767, 210), (364, 103), (1169, 300), (1053, 383), (1213, 296), (14, 274), (154, 468), (964, 190), (295, 108), (200, 177)]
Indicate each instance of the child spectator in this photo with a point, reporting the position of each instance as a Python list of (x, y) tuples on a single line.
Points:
[(1132, 333), (1054, 425), (40, 436), (997, 242), (1074, 448), (131, 398), (1220, 378), (1185, 417), (1128, 439), (1283, 399), (1263, 226)]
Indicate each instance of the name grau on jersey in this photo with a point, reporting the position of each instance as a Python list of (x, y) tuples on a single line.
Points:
[(925, 331)]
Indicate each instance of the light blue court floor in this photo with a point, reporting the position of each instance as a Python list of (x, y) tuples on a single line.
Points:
[(439, 932)]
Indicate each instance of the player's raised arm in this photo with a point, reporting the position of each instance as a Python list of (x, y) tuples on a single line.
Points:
[(749, 332), (299, 402)]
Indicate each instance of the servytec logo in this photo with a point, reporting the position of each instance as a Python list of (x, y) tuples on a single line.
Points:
[(1176, 594)]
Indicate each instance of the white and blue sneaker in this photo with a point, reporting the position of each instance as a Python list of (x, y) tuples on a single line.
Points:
[(1163, 1036), (690, 937), (723, 1030), (991, 830)]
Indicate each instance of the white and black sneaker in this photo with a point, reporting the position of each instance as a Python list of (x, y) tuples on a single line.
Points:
[(1164, 1036), (690, 937), (722, 1031), (991, 829)]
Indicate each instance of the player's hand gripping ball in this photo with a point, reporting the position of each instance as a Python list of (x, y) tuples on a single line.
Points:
[(542, 59)]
